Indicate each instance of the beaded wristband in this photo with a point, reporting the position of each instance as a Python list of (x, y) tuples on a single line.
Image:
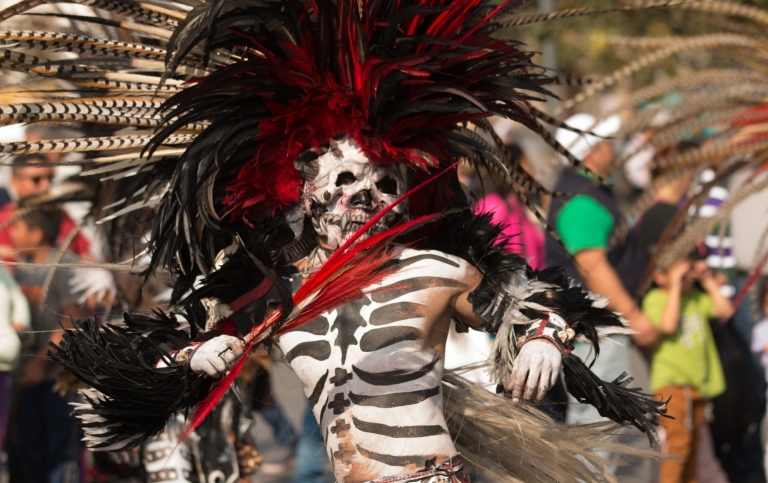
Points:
[(554, 329)]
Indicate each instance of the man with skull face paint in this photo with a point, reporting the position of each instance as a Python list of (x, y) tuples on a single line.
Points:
[(345, 106), (372, 368), (343, 190)]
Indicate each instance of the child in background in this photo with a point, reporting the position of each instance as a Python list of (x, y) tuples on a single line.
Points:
[(760, 347), (685, 365), (14, 318), (43, 438)]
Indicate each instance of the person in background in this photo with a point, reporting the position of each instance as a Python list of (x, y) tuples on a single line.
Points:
[(685, 367), (669, 196), (585, 221), (671, 192), (43, 442), (14, 318), (524, 233), (760, 347), (29, 177)]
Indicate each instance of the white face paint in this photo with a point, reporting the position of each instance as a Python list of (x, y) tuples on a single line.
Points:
[(343, 190)]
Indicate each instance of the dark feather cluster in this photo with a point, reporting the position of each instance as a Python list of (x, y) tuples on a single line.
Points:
[(264, 240), (118, 360), (479, 241), (613, 400), (572, 303)]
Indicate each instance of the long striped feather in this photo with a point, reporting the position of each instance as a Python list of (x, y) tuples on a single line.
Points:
[(138, 12), (586, 12), (701, 43), (683, 82), (105, 143)]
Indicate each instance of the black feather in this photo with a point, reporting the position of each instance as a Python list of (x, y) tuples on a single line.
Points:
[(116, 361), (613, 400)]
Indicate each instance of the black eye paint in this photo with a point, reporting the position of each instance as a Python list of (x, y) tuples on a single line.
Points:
[(387, 185), (345, 178)]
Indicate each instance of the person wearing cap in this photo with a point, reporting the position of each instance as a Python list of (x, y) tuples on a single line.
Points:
[(585, 220)]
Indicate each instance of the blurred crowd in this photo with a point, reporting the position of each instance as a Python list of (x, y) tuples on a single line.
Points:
[(693, 342)]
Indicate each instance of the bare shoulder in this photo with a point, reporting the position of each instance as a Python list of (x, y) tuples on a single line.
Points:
[(438, 264)]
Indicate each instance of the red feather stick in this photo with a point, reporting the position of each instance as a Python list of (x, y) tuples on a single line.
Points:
[(341, 279)]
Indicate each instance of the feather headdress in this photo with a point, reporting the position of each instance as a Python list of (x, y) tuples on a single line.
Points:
[(397, 77), (220, 98)]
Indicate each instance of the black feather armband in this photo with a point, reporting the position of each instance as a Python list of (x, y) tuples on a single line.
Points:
[(546, 305)]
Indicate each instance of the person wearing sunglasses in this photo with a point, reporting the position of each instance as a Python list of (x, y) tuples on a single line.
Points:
[(31, 175), (28, 178)]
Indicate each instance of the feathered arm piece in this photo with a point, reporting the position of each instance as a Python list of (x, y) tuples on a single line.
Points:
[(550, 306), (131, 394), (520, 304)]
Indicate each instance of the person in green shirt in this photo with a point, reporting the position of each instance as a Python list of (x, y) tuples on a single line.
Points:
[(685, 368)]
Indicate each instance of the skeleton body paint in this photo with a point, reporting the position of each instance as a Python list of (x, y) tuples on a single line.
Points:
[(371, 377)]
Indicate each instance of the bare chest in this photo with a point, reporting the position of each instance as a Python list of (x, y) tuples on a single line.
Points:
[(372, 384)]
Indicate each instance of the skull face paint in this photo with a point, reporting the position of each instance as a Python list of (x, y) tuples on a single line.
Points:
[(343, 190)]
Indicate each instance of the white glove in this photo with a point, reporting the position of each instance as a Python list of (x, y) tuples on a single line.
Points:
[(96, 282), (216, 356), (535, 370)]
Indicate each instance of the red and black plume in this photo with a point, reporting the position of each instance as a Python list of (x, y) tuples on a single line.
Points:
[(398, 77)]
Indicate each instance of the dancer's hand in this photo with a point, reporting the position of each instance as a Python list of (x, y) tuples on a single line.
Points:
[(216, 356), (535, 370)]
